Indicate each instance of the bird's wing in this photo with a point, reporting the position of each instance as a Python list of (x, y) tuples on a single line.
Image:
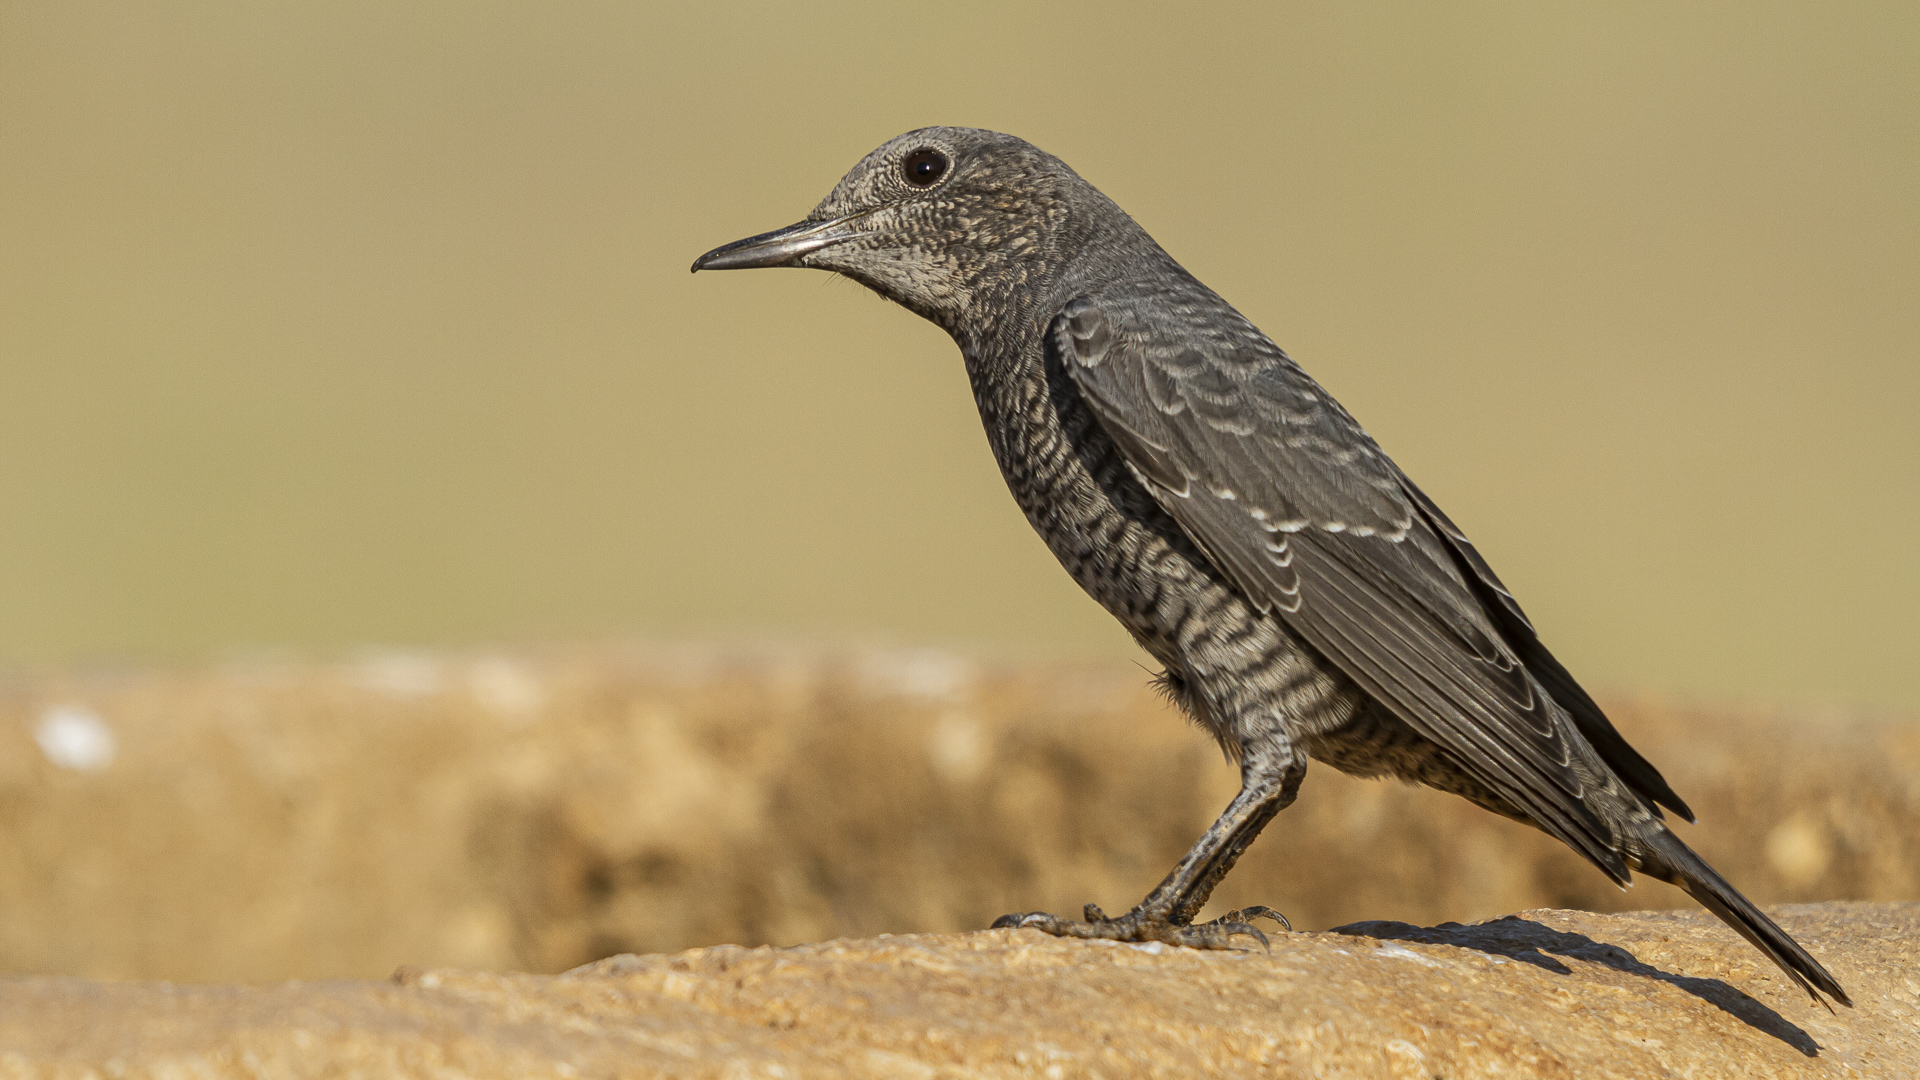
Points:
[(1560, 684), (1293, 500)]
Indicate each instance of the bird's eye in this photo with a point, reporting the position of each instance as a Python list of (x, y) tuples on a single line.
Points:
[(924, 167)]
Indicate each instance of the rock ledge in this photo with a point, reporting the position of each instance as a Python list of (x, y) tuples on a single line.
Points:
[(1540, 994)]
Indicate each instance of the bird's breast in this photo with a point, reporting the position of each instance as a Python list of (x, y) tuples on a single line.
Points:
[(1077, 491)]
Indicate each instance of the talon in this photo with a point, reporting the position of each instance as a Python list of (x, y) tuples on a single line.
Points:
[(1137, 926), (1233, 929), (1019, 920), (1257, 911)]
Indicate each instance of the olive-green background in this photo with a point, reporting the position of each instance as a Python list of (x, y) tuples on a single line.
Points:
[(336, 323)]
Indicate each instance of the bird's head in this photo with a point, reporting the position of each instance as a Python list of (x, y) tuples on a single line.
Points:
[(936, 219)]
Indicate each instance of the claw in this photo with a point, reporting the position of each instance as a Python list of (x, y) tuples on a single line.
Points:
[(1019, 919), (1231, 929), (1256, 911), (1137, 927)]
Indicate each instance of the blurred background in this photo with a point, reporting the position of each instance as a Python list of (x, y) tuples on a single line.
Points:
[(325, 327), (327, 324)]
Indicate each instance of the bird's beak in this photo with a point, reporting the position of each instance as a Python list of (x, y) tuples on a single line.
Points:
[(779, 247)]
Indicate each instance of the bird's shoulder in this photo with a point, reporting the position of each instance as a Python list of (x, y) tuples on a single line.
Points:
[(1205, 404)]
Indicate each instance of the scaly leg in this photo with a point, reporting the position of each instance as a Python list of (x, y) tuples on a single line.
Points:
[(1269, 780)]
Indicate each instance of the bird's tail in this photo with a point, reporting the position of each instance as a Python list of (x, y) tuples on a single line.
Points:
[(1671, 861)]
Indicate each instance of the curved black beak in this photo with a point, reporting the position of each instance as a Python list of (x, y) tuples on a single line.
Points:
[(779, 247)]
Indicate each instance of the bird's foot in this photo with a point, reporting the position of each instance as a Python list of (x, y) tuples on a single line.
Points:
[(1142, 926)]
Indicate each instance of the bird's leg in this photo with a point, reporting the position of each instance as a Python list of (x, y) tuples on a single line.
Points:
[(1269, 779)]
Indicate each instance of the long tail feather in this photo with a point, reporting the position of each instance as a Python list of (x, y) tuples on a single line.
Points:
[(1674, 862)]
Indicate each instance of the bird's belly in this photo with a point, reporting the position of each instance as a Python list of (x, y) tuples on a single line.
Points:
[(1376, 743), (1373, 743)]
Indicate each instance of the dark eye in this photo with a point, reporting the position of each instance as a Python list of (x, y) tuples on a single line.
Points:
[(924, 166)]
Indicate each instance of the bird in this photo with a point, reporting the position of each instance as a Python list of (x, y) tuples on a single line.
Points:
[(1306, 599)]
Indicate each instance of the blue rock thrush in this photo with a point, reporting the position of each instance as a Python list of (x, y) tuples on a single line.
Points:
[(1306, 598)]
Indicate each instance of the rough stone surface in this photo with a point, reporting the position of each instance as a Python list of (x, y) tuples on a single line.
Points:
[(538, 810), (1539, 994)]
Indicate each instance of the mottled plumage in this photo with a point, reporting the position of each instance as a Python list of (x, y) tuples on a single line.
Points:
[(1306, 598)]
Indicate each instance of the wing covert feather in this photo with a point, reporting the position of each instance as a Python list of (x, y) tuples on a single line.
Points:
[(1286, 493)]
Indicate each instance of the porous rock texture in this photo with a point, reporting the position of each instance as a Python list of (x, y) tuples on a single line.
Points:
[(538, 809), (1539, 994)]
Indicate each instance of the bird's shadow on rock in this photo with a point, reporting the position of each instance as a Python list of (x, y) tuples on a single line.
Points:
[(1531, 943)]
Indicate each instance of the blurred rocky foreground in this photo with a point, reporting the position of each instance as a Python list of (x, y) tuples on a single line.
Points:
[(539, 811)]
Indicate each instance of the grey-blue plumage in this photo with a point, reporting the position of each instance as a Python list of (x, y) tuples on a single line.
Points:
[(1305, 597)]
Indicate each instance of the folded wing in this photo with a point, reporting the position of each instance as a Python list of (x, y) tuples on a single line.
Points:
[(1286, 493)]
